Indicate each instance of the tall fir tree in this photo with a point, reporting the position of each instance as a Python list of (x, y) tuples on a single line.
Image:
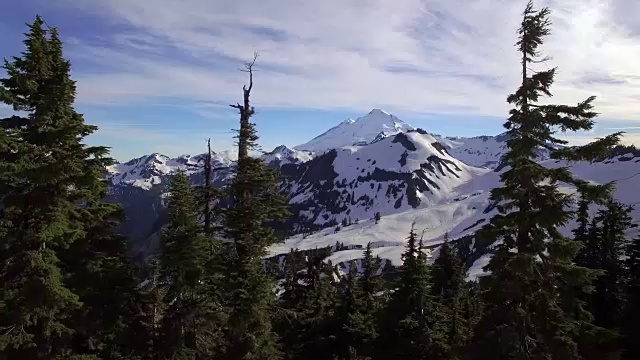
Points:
[(189, 330), (448, 273), (360, 308), (631, 323), (589, 194), (608, 304), (603, 250), (53, 214), (257, 202), (532, 264), (410, 319), (291, 305), (144, 332), (349, 300), (450, 293), (319, 327)]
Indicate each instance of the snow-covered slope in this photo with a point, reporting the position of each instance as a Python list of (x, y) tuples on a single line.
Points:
[(359, 168), (400, 172), (147, 171), (361, 131), (480, 151), (283, 155), (460, 212)]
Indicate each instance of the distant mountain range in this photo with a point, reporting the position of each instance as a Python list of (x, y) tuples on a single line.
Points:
[(376, 163)]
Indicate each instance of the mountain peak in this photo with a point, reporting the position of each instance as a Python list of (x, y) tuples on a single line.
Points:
[(378, 112), (361, 131)]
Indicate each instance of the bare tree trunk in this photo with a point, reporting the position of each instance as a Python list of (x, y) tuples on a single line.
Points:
[(246, 110), (208, 193)]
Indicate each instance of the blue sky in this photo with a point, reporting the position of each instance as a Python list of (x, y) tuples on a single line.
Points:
[(157, 76)]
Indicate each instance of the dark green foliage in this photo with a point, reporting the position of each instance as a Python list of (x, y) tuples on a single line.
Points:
[(144, 333), (103, 278), (64, 277), (360, 308), (450, 291), (257, 203), (631, 322), (448, 273), (409, 323), (290, 303), (312, 325), (350, 299), (190, 323), (609, 243), (472, 309), (604, 244), (532, 265)]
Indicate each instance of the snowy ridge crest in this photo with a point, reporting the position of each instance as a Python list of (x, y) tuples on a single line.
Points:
[(360, 131), (150, 170)]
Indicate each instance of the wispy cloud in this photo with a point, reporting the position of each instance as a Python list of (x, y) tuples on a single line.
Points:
[(623, 128), (130, 133), (627, 139), (415, 56), (128, 140)]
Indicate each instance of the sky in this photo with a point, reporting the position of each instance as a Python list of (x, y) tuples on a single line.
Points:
[(158, 75)]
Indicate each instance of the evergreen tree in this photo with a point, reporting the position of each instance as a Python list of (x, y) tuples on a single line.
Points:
[(257, 202), (604, 248), (188, 325), (472, 308), (409, 323), (631, 323), (609, 288), (377, 217), (448, 274), (57, 247), (290, 303), (143, 333), (350, 299), (449, 290), (103, 279), (318, 324), (361, 308), (589, 194), (532, 265)]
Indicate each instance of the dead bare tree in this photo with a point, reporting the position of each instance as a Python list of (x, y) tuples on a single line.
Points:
[(208, 193), (246, 136)]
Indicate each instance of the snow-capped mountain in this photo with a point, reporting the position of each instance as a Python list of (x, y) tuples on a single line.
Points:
[(374, 125), (400, 172), (479, 151), (459, 213), (150, 170), (283, 155), (377, 163)]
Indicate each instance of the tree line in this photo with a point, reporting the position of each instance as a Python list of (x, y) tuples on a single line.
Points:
[(70, 292)]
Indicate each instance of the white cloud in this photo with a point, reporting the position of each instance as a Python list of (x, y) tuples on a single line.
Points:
[(410, 55)]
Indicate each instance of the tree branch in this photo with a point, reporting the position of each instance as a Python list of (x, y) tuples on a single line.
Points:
[(249, 68)]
